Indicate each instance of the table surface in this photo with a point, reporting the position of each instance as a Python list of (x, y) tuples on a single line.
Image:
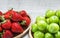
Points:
[(33, 7)]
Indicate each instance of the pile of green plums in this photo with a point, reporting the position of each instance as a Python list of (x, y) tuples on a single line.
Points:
[(47, 26)]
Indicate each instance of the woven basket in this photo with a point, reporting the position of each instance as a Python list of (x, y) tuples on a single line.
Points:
[(30, 33)]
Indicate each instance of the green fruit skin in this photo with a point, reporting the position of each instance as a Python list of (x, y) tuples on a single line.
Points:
[(57, 35), (58, 13), (50, 13), (38, 34), (47, 20), (34, 27), (48, 35), (47, 27), (42, 25), (38, 18), (53, 28), (59, 22), (54, 19)]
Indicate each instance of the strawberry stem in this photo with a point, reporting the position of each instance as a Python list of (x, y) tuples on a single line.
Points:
[(10, 9), (0, 35), (3, 21), (23, 22), (2, 18)]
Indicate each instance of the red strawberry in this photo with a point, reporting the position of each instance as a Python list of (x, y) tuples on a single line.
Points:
[(26, 21), (0, 13), (9, 13), (16, 28), (23, 13), (7, 34), (16, 17), (6, 24), (0, 29)]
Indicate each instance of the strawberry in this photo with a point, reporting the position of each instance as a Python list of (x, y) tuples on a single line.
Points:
[(6, 24), (0, 13), (9, 13), (1, 29), (16, 17), (7, 34), (6, 16), (23, 13), (16, 28), (26, 21), (13, 15)]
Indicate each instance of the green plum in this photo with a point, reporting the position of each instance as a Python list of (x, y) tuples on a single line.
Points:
[(46, 30), (47, 27), (41, 25), (53, 28), (58, 13), (50, 13), (48, 35), (38, 18), (57, 35), (34, 27), (38, 34), (54, 19), (47, 20), (59, 22)]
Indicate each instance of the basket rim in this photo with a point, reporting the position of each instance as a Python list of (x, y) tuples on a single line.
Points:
[(30, 34)]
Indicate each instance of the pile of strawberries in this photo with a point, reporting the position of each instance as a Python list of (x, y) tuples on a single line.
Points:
[(13, 23)]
